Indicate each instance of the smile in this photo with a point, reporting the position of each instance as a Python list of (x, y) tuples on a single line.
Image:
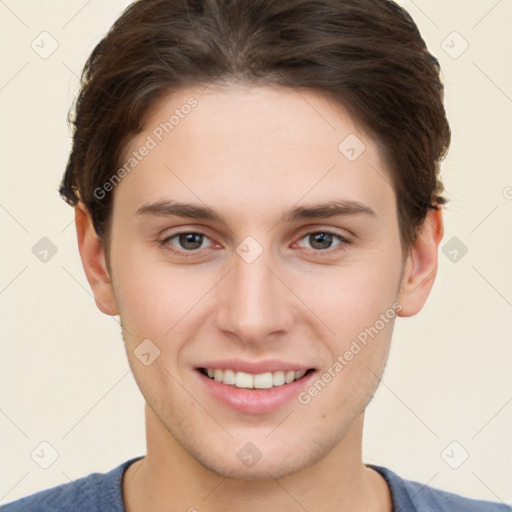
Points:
[(246, 380)]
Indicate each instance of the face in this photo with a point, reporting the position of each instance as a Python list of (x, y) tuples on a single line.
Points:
[(249, 246)]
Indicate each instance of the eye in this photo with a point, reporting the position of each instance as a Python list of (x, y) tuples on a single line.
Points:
[(190, 243), (186, 242), (324, 240)]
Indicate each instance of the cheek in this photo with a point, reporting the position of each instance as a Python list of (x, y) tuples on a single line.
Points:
[(143, 296), (352, 297), (156, 300)]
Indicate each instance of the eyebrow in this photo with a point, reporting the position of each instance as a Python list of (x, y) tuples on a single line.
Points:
[(341, 207)]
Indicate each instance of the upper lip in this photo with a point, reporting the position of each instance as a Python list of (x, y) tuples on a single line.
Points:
[(255, 367)]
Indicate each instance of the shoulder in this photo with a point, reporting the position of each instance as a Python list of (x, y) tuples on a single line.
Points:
[(410, 496), (93, 493)]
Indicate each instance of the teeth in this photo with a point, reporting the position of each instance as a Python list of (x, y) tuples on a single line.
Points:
[(229, 377), (243, 380), (278, 378), (263, 380), (246, 380)]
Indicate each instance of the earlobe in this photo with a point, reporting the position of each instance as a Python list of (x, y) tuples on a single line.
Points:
[(421, 265), (93, 261)]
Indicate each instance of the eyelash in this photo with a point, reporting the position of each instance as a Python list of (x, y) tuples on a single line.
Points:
[(344, 242)]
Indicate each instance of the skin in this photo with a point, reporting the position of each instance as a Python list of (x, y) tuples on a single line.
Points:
[(252, 153)]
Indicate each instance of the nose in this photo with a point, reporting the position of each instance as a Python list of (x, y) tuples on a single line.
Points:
[(254, 302)]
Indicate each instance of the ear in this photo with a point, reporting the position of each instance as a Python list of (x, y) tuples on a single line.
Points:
[(420, 268), (93, 261)]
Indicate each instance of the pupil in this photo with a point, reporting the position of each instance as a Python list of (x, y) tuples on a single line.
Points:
[(320, 240), (191, 240)]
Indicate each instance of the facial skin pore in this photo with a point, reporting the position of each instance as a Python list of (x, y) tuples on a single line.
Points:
[(251, 155)]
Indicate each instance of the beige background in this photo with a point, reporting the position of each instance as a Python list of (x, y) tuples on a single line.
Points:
[(64, 374)]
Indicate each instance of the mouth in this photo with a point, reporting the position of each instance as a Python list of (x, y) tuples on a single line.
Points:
[(254, 387), (245, 380)]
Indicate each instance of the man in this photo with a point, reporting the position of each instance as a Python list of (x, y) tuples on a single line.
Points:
[(257, 196)]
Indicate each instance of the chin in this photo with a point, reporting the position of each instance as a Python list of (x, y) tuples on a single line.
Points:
[(274, 461), (263, 470)]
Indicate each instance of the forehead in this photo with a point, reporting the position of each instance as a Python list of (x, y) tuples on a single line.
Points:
[(262, 147)]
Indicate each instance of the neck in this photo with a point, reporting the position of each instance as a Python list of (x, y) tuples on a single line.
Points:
[(169, 478)]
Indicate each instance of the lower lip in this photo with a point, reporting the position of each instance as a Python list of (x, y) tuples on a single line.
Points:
[(255, 401)]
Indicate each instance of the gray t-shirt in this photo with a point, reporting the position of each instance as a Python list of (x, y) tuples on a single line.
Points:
[(103, 492)]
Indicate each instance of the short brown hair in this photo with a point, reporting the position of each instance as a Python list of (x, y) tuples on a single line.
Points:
[(368, 55)]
